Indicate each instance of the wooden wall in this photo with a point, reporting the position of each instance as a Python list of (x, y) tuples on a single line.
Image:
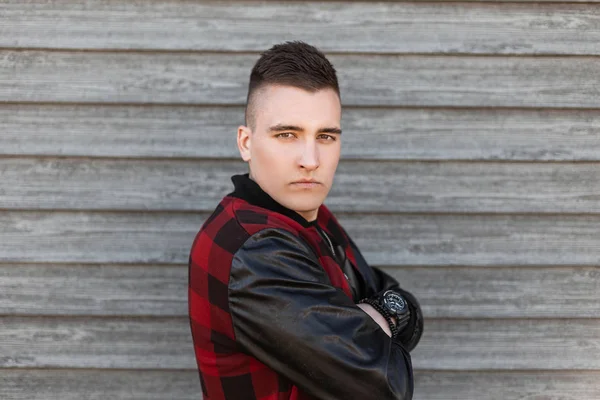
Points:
[(473, 129)]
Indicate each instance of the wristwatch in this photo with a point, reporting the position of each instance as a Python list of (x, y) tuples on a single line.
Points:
[(397, 306), (391, 305)]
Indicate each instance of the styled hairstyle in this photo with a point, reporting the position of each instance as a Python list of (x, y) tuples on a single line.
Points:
[(294, 64)]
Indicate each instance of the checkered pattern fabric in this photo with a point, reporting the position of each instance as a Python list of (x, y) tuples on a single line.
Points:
[(227, 373)]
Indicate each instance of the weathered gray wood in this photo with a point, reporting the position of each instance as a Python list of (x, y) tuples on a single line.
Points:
[(509, 344), (153, 290), (496, 385), (356, 27), (56, 183), (369, 133), (60, 384), (143, 306), (110, 237), (166, 343), (137, 343), (132, 131), (112, 289), (504, 292), (482, 240), (382, 80), (69, 384), (403, 240), (470, 134)]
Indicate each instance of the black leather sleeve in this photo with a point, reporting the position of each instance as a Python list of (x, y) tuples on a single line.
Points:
[(384, 280), (410, 336), (287, 314)]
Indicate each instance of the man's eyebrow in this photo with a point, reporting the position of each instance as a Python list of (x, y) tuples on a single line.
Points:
[(281, 128)]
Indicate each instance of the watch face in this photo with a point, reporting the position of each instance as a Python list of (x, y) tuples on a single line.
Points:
[(394, 302)]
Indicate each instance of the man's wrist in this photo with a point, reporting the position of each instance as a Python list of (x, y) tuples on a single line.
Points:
[(375, 316), (384, 313)]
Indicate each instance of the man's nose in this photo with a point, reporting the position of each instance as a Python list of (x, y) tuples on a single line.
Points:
[(309, 158)]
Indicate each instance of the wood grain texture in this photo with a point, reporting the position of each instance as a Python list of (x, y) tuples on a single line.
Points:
[(60, 384), (135, 343), (567, 344), (155, 290), (481, 240), (369, 133), (81, 384), (109, 289), (497, 385), (375, 80), (402, 240), (461, 187), (520, 292), (165, 343), (419, 27), (93, 248), (104, 237)]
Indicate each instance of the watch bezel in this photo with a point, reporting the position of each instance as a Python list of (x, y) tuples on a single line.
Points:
[(390, 298)]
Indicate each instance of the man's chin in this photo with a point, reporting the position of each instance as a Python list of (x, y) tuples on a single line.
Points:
[(302, 202), (305, 209)]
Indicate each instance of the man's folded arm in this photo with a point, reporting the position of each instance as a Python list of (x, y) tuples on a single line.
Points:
[(410, 336), (287, 314), (384, 280)]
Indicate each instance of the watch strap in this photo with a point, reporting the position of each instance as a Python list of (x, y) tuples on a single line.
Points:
[(384, 312)]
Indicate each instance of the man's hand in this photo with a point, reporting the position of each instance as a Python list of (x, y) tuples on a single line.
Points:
[(376, 317)]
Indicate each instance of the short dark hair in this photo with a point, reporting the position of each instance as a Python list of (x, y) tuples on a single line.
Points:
[(294, 63)]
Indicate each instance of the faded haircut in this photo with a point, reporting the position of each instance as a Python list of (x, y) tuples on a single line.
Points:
[(295, 64)]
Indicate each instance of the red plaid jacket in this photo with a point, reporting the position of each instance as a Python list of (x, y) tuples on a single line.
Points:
[(272, 307)]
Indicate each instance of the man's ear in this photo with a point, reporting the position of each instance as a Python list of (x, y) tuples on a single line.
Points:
[(244, 142)]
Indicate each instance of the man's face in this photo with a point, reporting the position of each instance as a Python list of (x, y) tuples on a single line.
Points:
[(296, 137)]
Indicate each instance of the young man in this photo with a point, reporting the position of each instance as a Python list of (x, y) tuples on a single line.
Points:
[(282, 303)]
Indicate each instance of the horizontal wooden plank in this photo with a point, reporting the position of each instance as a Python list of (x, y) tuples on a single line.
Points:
[(504, 292), (135, 343), (496, 385), (509, 344), (386, 239), (369, 133), (154, 290), (120, 131), (375, 80), (481, 240), (420, 27), (55, 183), (166, 343), (68, 384), (98, 237), (60, 384), (115, 289)]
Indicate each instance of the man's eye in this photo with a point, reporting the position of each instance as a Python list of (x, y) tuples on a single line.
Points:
[(285, 135), (328, 137)]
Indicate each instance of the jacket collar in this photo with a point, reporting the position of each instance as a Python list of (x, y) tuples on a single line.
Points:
[(248, 190)]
